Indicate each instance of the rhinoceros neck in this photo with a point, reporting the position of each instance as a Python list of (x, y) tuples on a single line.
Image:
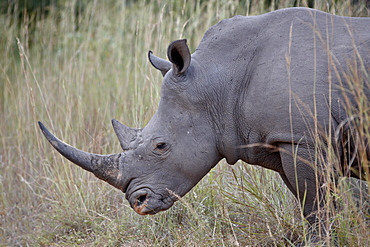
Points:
[(231, 52), (227, 53)]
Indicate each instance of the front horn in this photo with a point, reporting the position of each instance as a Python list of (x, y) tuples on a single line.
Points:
[(106, 167)]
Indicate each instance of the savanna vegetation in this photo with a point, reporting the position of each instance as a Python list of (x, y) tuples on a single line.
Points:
[(75, 65)]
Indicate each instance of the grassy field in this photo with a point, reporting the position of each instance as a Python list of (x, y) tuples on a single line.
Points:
[(75, 72)]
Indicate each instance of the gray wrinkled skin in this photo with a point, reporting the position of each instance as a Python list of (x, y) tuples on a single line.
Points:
[(251, 91)]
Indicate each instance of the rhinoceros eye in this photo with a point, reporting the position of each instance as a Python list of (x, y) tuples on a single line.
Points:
[(161, 146)]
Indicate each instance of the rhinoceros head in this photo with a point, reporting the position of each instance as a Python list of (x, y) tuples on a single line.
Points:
[(164, 160)]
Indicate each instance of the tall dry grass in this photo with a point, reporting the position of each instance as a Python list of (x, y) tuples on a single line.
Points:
[(76, 73)]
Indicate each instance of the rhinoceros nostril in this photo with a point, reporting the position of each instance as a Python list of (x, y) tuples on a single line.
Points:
[(140, 200)]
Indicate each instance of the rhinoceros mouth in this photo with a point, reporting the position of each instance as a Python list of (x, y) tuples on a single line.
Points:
[(144, 201)]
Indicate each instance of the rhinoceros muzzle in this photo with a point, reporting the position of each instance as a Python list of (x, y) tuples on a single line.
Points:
[(114, 170), (145, 201)]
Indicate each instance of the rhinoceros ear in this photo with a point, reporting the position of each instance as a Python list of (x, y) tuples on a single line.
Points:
[(159, 63), (178, 53)]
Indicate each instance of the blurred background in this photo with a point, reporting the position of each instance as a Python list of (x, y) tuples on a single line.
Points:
[(75, 65)]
